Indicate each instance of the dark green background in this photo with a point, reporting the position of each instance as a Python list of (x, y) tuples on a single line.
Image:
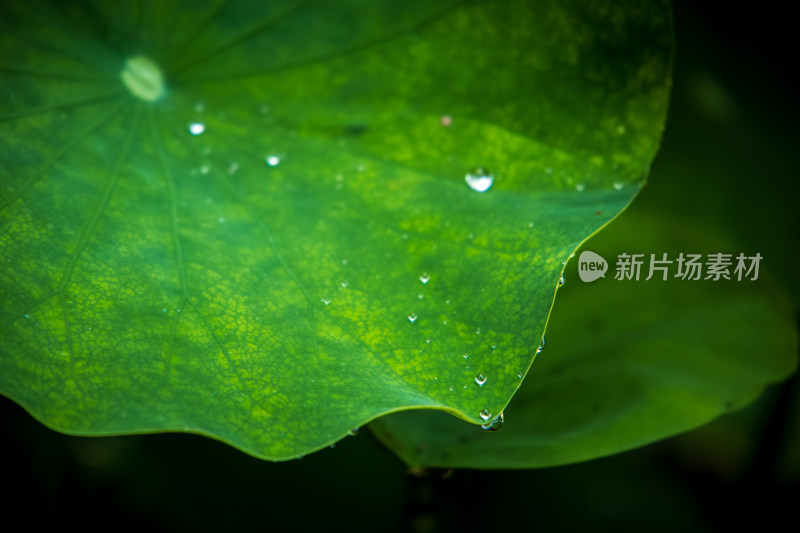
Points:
[(731, 134)]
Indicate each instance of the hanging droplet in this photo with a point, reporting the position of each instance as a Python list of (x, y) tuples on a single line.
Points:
[(353, 432), (273, 160), (479, 179), (196, 128), (486, 414), (480, 379), (424, 278), (541, 345), (412, 317), (494, 424), (561, 280)]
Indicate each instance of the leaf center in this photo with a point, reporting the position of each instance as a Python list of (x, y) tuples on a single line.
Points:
[(142, 76)]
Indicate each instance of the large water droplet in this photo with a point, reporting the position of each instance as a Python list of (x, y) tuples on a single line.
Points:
[(480, 379), (196, 128), (494, 424), (486, 414), (412, 317), (424, 278), (479, 179)]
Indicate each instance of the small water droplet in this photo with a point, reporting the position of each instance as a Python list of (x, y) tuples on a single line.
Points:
[(486, 414), (325, 301), (204, 169), (466, 356), (360, 167), (480, 379), (420, 296), (424, 278), (412, 317), (494, 346), (520, 374), (428, 340), (273, 160), (196, 128), (530, 224), (451, 388), (541, 345), (618, 185), (446, 120), (479, 179), (466, 386), (561, 280), (344, 284), (353, 432), (344, 261), (221, 220), (163, 310), (494, 424), (580, 187), (478, 331)]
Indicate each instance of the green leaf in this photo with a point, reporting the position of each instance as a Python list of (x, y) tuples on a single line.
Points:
[(307, 256), (627, 362)]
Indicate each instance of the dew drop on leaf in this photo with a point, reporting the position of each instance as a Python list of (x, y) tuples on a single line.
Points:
[(479, 179), (412, 317), (486, 414), (424, 278), (480, 379), (197, 128)]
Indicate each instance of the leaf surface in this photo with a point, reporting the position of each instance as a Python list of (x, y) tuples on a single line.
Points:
[(283, 246)]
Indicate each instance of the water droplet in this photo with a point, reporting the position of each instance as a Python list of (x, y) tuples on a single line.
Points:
[(233, 168), (204, 169), (163, 310), (494, 346), (480, 379), (479, 179), (478, 331), (618, 185), (273, 160), (541, 345), (424, 278), (561, 280), (465, 386), (344, 261), (446, 120), (353, 432), (420, 296), (428, 340), (344, 284), (196, 128), (221, 220), (486, 414), (412, 317), (494, 424), (520, 374), (451, 388), (466, 356), (325, 301), (27, 316), (580, 187)]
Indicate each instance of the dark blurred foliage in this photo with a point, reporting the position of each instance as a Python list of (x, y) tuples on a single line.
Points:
[(731, 140)]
